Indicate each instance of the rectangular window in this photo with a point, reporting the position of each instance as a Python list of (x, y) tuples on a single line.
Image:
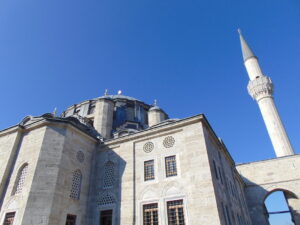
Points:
[(9, 218), (215, 170), (149, 170), (175, 212), (171, 168), (221, 176), (71, 220), (150, 214), (106, 217)]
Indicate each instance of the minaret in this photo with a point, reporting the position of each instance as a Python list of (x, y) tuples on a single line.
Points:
[(260, 88)]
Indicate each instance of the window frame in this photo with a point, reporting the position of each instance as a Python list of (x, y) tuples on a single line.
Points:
[(107, 209), (71, 215), (183, 209), (167, 175), (149, 178), (143, 212), (5, 216)]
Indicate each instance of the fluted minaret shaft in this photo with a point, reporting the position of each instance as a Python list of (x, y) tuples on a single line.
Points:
[(260, 88)]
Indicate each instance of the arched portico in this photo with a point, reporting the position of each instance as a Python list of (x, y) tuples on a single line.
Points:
[(266, 177), (277, 206)]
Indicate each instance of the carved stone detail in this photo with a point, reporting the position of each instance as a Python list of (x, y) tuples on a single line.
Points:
[(148, 147), (169, 142), (260, 87)]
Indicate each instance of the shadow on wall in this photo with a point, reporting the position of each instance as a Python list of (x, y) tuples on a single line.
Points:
[(256, 196), (105, 198)]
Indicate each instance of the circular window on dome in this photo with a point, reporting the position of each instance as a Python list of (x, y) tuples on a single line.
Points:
[(169, 142), (80, 156), (148, 147)]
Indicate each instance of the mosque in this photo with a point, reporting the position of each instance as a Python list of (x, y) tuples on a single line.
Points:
[(116, 160)]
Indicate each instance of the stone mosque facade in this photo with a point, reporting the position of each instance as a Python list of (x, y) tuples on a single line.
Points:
[(115, 160)]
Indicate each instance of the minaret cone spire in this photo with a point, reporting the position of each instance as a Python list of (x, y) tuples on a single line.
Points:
[(246, 50), (260, 88)]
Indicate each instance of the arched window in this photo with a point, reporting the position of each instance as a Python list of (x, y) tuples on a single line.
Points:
[(277, 207), (109, 178), (20, 181), (76, 184)]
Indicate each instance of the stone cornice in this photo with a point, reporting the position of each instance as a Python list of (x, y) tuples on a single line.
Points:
[(152, 131)]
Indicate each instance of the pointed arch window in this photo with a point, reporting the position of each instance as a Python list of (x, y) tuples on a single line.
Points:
[(76, 185), (20, 181), (109, 178)]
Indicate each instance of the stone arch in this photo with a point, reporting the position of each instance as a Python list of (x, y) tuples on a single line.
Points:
[(284, 190), (292, 200), (172, 188), (148, 193), (25, 120)]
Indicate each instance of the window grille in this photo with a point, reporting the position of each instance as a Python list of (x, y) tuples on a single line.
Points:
[(171, 167), (150, 214), (71, 219), (76, 184), (20, 181), (9, 218), (106, 199), (109, 178), (149, 170), (175, 212)]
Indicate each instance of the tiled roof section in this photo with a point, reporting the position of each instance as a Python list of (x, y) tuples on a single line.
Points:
[(113, 97), (76, 121)]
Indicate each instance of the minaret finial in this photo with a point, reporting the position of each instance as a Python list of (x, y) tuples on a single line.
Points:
[(155, 102), (105, 92), (54, 112), (246, 50)]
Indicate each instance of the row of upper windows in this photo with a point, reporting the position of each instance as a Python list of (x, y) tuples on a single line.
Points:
[(170, 166)]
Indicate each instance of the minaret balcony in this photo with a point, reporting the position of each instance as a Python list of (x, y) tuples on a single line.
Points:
[(260, 88)]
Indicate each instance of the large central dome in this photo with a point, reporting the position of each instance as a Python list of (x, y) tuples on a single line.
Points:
[(111, 115)]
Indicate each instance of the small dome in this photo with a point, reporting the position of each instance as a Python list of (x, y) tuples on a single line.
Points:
[(155, 108)]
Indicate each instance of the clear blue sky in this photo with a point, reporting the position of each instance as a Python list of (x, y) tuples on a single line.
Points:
[(186, 54)]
